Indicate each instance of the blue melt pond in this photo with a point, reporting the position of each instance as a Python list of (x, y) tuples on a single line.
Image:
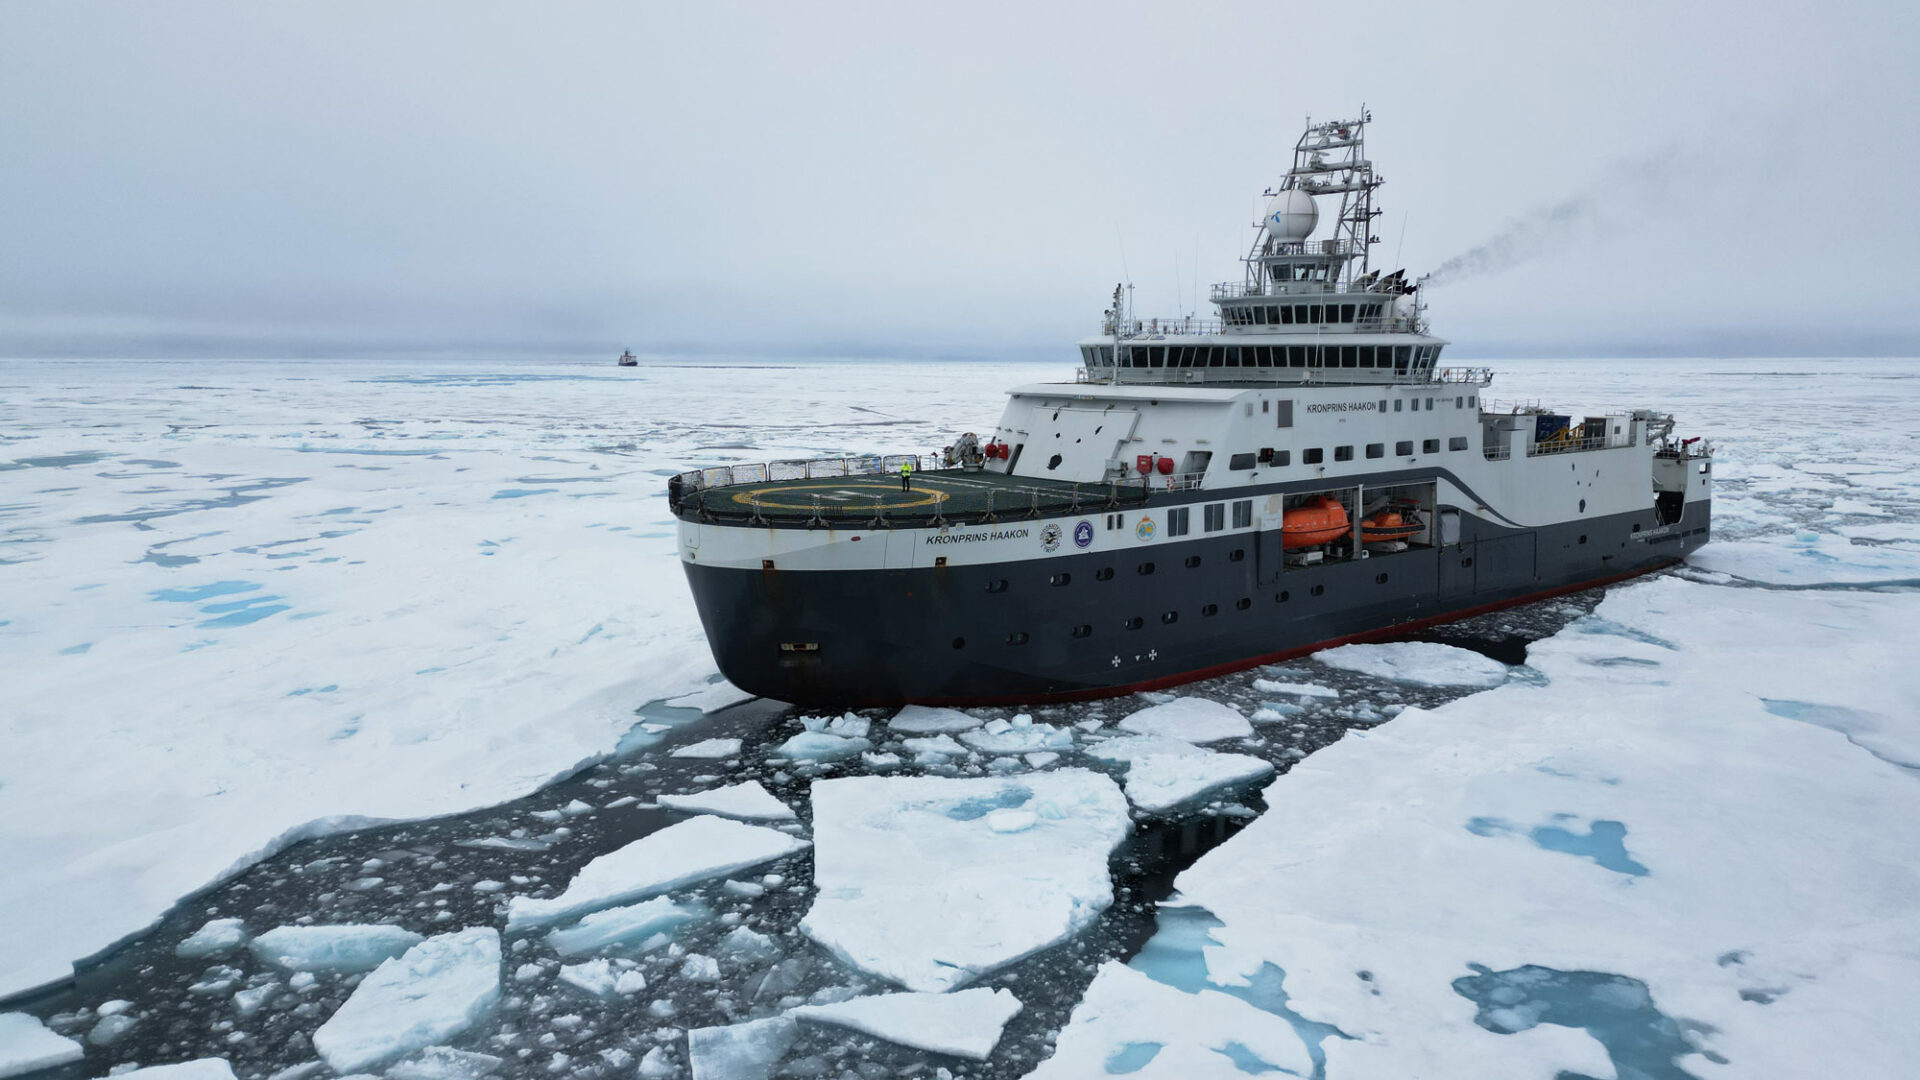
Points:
[(1640, 1040), (521, 493), (1133, 1057), (202, 592), (247, 616), (73, 650), (1605, 842)]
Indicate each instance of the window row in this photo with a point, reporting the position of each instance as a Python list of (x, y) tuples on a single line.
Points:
[(1315, 455), (1398, 358), (1168, 618), (1300, 314)]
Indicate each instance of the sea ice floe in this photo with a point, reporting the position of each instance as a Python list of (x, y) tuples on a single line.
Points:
[(965, 1023), (713, 749), (921, 720), (746, 1051), (1129, 1023), (916, 885), (1129, 747), (597, 977), (680, 854), (211, 1068), (748, 801), (1190, 719), (748, 945), (820, 746), (715, 696), (27, 1046), (443, 1063), (1423, 663), (1157, 782), (624, 927), (1000, 737), (1809, 558), (1295, 689), (937, 744), (440, 988), (345, 947), (214, 937)]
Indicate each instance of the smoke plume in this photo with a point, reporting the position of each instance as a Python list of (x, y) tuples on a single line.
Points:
[(1542, 232)]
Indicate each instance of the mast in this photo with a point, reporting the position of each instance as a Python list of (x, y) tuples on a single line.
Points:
[(1330, 158)]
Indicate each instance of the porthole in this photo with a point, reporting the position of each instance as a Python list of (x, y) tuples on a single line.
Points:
[(1317, 590), (1060, 579), (1243, 603), (959, 643), (997, 585), (1054, 461), (1583, 506), (1237, 555), (1135, 623), (1379, 579), (1105, 573), (1018, 637), (1193, 561), (1170, 617), (1083, 630), (1466, 562), (1282, 596), (1210, 610), (1583, 538), (1143, 569)]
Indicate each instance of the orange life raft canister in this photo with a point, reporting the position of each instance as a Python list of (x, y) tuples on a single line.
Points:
[(1388, 525)]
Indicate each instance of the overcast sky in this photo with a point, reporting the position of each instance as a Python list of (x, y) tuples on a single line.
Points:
[(895, 179)]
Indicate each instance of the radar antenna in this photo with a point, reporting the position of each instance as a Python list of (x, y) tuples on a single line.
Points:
[(1329, 159)]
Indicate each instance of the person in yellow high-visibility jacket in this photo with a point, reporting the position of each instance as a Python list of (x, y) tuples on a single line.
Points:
[(906, 475)]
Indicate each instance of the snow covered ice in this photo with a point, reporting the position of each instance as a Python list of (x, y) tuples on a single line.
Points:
[(687, 851), (1159, 782), (624, 926), (917, 887), (1129, 1023), (746, 1051), (332, 948), (214, 937), (27, 1046), (1194, 720), (1426, 663), (709, 748), (965, 1023), (748, 802), (440, 988)]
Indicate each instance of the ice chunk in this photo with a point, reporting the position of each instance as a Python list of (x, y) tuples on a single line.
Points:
[(938, 744), (1194, 720), (1011, 821), (700, 968), (748, 801), (680, 854), (748, 945), (656, 1065), (628, 925), (443, 1063), (111, 1027), (716, 695), (345, 947), (1040, 759), (1012, 739), (215, 937), (440, 988), (880, 761), (27, 1046), (1269, 686), (709, 748), (966, 1023), (198, 1069), (915, 885), (820, 746), (746, 1051), (1157, 782), (1129, 1023), (921, 720), (596, 977), (1129, 747), (1423, 663)]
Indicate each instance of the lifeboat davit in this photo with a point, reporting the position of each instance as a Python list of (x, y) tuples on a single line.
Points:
[(1386, 526), (1315, 522)]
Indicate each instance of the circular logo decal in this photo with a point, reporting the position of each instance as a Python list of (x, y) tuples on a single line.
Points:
[(1050, 538), (1083, 534), (1144, 530)]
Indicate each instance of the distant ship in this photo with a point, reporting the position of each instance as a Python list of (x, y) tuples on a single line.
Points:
[(627, 359), (1204, 496)]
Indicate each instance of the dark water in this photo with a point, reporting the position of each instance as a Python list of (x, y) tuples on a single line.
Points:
[(443, 874)]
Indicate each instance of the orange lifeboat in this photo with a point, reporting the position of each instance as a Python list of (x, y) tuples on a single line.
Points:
[(1315, 522), (1386, 526)]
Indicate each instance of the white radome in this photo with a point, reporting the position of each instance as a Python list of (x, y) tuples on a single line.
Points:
[(1291, 216)]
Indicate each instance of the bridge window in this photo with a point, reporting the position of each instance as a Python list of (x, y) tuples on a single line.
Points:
[(1243, 513), (1280, 457), (1240, 462), (1457, 442), (1430, 446), (1343, 453), (1403, 448), (1346, 313), (1215, 517), (1286, 316), (1313, 455), (1375, 449), (1314, 313), (1177, 522), (1260, 316)]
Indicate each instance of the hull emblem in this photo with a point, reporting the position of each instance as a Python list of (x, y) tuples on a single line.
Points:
[(1144, 530), (1050, 538), (1083, 534)]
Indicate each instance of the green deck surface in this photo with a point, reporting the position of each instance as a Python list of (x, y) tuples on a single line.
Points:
[(946, 493)]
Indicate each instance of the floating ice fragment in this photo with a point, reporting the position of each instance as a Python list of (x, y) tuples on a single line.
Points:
[(746, 1051), (920, 720), (199, 1069), (966, 1023), (1269, 686), (880, 761), (443, 1063), (710, 749), (1041, 759), (595, 977), (1422, 663), (346, 947), (656, 1065), (1158, 782), (680, 854), (1195, 720), (1009, 739), (1129, 747), (938, 744), (440, 988), (916, 886), (699, 968), (27, 1046), (1129, 1022), (748, 801), (625, 926), (748, 945), (819, 746), (215, 937)]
